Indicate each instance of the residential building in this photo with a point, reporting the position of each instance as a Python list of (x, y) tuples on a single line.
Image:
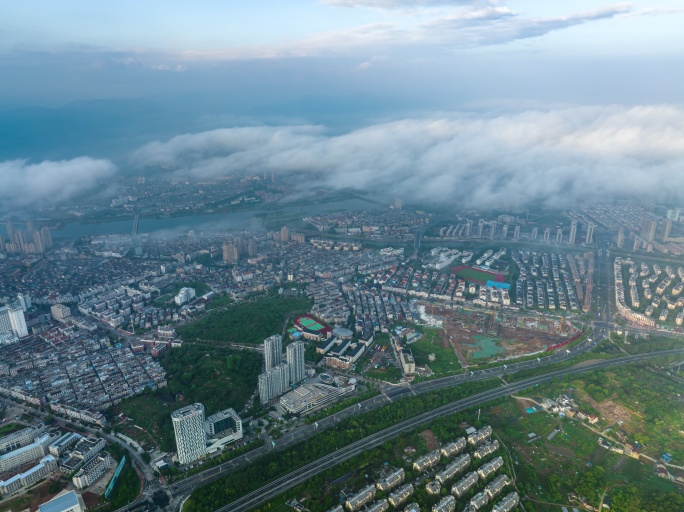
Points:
[(590, 233), (453, 448), (573, 233), (274, 383), (400, 495), (464, 484), (92, 471), (508, 503), (295, 361), (184, 295), (355, 502), (427, 461), (273, 352), (61, 313), (408, 363), (20, 456), (47, 465), (446, 504), (391, 481)]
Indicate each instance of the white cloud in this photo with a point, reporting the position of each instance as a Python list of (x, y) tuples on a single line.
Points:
[(479, 24), (554, 157), (50, 182)]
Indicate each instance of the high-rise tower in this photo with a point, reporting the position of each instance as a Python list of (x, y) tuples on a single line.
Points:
[(191, 440), (573, 233), (295, 360), (273, 352)]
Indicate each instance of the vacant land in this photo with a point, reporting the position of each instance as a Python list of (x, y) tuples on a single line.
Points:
[(476, 336), (434, 342)]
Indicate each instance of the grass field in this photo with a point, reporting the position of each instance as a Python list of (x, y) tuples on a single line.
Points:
[(445, 358), (10, 428), (389, 374)]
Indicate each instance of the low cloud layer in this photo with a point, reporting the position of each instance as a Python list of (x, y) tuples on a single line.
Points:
[(50, 182), (537, 157)]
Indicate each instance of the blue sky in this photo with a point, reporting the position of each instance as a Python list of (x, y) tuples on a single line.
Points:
[(55, 52), (528, 90)]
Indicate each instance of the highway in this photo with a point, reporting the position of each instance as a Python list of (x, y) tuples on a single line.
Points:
[(300, 475), (183, 488)]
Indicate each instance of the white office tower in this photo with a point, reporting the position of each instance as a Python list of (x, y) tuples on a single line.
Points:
[(295, 360), (17, 320), (273, 351), (6, 332), (12, 323), (191, 440)]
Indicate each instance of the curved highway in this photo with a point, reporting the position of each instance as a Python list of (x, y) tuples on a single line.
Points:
[(298, 476), (185, 487), (181, 489)]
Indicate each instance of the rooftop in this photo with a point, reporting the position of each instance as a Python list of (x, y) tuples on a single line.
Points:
[(60, 503)]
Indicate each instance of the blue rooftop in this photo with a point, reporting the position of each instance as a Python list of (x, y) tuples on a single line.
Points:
[(64, 502), (496, 284)]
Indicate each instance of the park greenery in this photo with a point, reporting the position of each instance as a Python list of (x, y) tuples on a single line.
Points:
[(10, 428), (173, 474), (217, 377), (278, 463), (340, 406), (249, 322), (127, 486)]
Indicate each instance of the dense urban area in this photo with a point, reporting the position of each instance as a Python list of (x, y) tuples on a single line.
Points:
[(368, 358)]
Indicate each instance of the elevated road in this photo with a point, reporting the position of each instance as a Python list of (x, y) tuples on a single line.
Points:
[(182, 489), (302, 474)]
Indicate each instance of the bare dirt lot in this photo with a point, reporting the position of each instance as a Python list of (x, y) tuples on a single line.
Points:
[(430, 440), (479, 336)]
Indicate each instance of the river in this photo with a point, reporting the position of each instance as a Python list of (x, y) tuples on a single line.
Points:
[(252, 219)]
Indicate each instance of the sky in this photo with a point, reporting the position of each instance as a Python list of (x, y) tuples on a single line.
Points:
[(572, 83)]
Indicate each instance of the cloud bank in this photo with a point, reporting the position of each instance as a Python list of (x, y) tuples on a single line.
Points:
[(554, 158), (50, 182)]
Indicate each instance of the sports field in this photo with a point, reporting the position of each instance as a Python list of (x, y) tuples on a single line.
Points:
[(473, 275), (310, 324)]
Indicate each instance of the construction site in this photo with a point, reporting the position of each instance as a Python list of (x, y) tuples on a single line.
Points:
[(478, 336)]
